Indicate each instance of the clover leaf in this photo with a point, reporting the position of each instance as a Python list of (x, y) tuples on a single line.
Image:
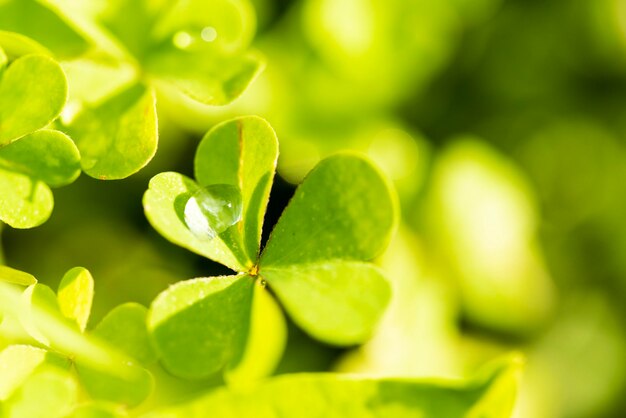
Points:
[(330, 395), (315, 262), (192, 48), (33, 91), (106, 361)]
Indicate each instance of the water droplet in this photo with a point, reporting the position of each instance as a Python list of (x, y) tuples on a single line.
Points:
[(182, 40), (212, 210), (208, 34), (263, 283)]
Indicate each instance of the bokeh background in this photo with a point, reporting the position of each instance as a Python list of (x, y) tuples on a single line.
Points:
[(502, 124)]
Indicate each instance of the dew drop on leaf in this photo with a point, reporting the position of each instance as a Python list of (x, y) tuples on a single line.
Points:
[(213, 209)]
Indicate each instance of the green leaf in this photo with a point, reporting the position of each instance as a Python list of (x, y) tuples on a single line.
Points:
[(200, 326), (211, 79), (46, 155), (24, 202), (119, 136), (75, 295), (344, 209), (98, 410), (338, 302), (328, 395), (243, 153), (3, 59), (38, 297), (35, 20), (164, 204), (129, 390), (15, 45), (125, 328), (10, 275), (50, 393), (266, 340), (18, 362), (33, 91)]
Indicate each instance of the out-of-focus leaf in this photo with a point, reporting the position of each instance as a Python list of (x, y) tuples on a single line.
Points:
[(33, 91), (241, 152), (327, 395), (33, 19), (125, 329), (3, 59), (50, 393), (129, 390), (10, 275), (211, 79), (119, 136), (38, 297), (200, 326), (164, 204), (266, 340), (18, 362), (46, 155), (75, 295), (98, 410), (344, 210), (16, 45), (24, 202)]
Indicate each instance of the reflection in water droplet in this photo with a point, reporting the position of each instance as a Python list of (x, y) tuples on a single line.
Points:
[(208, 34), (212, 210), (182, 40)]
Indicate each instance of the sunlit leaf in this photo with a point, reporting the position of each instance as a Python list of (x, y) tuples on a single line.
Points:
[(50, 393), (336, 301), (328, 395), (33, 91), (207, 78), (33, 19), (10, 275), (164, 204), (119, 136), (15, 45), (98, 410), (46, 155), (243, 153), (24, 202), (75, 295), (200, 326), (344, 209), (18, 362)]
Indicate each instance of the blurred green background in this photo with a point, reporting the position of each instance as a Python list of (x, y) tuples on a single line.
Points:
[(502, 124)]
